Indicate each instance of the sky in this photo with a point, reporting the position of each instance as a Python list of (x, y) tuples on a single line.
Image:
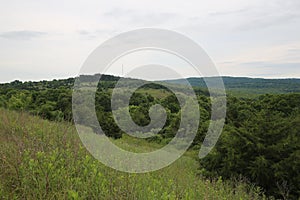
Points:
[(52, 39)]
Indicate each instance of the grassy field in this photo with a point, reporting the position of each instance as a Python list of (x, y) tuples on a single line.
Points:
[(40, 159)]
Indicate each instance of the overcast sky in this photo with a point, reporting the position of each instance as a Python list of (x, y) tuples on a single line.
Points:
[(52, 38)]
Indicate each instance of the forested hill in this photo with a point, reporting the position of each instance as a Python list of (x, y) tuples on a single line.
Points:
[(56, 83), (248, 85), (260, 140), (238, 86)]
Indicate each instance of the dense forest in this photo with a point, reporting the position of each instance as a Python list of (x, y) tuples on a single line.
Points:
[(260, 141)]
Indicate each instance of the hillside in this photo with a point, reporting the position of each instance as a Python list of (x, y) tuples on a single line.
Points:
[(260, 140), (40, 159)]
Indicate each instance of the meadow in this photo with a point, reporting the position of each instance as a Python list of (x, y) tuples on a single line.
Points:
[(41, 159)]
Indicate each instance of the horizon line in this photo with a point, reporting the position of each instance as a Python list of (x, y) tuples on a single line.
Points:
[(170, 79)]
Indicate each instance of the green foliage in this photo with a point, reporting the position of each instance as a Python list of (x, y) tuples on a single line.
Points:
[(261, 142), (40, 159)]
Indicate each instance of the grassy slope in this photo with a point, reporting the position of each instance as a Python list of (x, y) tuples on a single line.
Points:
[(45, 160)]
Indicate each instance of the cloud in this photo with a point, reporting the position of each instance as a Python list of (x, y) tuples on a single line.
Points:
[(263, 69), (87, 34), (294, 50), (22, 35), (269, 69), (266, 64), (270, 14), (141, 18), (229, 12), (260, 15), (92, 34), (269, 21), (231, 32)]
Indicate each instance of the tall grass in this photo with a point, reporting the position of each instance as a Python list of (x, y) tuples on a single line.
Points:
[(46, 160)]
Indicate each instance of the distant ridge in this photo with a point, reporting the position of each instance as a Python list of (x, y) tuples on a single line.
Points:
[(240, 86), (252, 85)]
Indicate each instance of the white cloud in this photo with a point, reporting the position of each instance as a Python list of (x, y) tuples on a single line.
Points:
[(45, 39), (22, 35)]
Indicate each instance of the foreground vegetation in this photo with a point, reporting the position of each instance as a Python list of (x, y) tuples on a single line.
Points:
[(260, 141), (40, 159)]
